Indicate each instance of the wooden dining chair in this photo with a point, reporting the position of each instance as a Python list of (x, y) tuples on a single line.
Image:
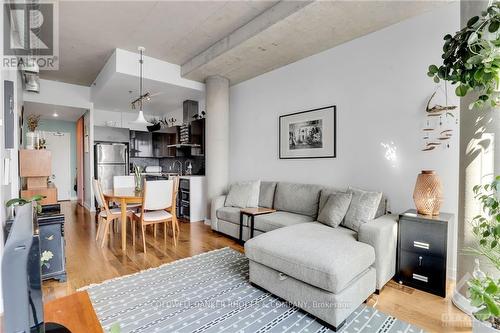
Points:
[(157, 207), (106, 215)]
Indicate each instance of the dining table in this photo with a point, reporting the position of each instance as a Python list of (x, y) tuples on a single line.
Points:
[(124, 196)]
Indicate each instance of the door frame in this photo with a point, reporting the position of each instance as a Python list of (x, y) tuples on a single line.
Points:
[(80, 184)]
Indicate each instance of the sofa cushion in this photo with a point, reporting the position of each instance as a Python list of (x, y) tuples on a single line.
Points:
[(297, 198), (266, 195), (243, 194), (230, 214), (279, 219), (327, 258), (333, 211), (363, 208), (382, 207), (325, 193)]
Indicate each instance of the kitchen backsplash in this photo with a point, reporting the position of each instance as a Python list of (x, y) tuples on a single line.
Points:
[(198, 164), (167, 164)]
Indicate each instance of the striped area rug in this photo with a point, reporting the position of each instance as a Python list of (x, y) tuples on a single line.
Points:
[(210, 292)]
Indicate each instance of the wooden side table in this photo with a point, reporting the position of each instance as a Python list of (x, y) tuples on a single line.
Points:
[(252, 212), (75, 312)]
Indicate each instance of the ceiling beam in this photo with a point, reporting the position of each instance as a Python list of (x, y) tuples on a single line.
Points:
[(262, 22)]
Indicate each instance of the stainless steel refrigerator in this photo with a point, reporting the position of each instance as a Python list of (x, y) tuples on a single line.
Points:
[(111, 159)]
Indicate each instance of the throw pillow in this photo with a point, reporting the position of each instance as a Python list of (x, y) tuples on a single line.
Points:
[(362, 209), (335, 208), (243, 194)]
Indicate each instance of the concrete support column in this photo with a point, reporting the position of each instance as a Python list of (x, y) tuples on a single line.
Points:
[(217, 136), (479, 163)]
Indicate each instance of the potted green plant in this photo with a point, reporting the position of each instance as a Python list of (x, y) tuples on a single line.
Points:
[(485, 290), (22, 201), (471, 58), (138, 177)]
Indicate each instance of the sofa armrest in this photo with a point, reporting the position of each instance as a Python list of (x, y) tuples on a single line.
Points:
[(217, 203), (382, 234)]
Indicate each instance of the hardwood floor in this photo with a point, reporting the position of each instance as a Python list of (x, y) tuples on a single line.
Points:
[(87, 263)]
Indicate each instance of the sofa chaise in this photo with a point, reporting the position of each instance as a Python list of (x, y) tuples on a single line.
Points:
[(327, 271)]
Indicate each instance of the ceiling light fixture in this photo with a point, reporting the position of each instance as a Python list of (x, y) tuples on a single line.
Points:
[(140, 117), (55, 114)]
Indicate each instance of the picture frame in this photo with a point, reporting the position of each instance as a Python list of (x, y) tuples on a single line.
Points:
[(308, 134)]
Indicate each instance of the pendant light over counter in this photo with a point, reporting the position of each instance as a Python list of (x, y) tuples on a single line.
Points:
[(140, 117)]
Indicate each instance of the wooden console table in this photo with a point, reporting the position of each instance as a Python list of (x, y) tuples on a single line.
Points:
[(252, 212), (75, 312)]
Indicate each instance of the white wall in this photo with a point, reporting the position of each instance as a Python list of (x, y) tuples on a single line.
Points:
[(379, 84), (59, 93)]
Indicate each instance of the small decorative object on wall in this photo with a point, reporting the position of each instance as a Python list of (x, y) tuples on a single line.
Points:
[(428, 193), (32, 135), (308, 134), (440, 123)]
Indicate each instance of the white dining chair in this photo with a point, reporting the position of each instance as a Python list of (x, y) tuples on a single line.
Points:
[(125, 182), (106, 215), (158, 206)]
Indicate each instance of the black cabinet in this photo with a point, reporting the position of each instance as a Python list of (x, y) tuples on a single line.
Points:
[(422, 249), (141, 144), (145, 144), (51, 231), (198, 137)]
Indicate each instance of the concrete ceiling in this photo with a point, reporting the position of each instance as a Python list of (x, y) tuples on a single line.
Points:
[(180, 32), (313, 28), (47, 111), (173, 31)]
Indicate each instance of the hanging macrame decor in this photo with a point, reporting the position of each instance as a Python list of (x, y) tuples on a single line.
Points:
[(440, 124)]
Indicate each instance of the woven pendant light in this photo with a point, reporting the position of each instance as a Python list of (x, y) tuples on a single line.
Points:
[(428, 193)]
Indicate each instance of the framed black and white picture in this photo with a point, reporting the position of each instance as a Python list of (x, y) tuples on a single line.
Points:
[(308, 134)]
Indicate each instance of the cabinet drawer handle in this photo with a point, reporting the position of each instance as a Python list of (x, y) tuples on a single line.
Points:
[(420, 277), (421, 245)]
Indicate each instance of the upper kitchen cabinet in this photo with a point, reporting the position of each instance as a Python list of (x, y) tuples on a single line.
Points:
[(198, 137), (163, 141), (141, 144)]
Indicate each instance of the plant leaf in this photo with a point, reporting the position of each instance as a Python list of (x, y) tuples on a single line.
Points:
[(493, 27), (433, 69), (473, 20), (16, 201), (461, 90)]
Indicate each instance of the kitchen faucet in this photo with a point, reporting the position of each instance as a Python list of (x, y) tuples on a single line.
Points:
[(188, 167), (180, 166)]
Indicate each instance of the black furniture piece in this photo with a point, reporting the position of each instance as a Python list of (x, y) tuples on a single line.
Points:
[(51, 230), (21, 278), (422, 249), (251, 213), (183, 199)]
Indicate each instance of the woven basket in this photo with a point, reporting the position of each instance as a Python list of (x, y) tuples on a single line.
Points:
[(428, 193)]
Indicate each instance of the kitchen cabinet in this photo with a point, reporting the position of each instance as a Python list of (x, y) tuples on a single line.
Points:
[(146, 144), (162, 140), (198, 137), (141, 144)]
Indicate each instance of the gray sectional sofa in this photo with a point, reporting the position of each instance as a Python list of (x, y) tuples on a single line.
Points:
[(326, 271)]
